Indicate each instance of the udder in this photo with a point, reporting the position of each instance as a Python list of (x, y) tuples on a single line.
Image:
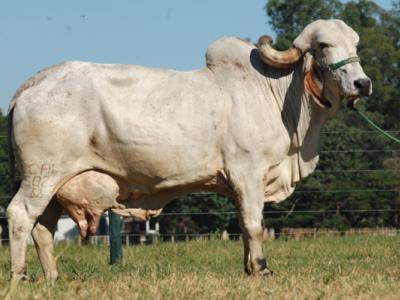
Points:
[(88, 195)]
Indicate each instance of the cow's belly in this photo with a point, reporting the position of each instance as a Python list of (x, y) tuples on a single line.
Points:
[(154, 167)]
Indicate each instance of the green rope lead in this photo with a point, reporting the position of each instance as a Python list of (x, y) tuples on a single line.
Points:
[(376, 126)]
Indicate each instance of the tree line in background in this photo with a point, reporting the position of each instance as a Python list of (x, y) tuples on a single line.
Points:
[(350, 188)]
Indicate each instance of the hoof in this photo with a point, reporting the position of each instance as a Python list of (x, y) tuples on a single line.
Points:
[(267, 272), (259, 269), (51, 276), (20, 277)]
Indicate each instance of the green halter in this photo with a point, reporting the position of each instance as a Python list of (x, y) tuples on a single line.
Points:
[(335, 66)]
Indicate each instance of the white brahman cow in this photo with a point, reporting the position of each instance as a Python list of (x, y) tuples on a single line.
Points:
[(90, 136)]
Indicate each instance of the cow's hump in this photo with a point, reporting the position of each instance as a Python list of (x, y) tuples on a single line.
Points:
[(229, 52)]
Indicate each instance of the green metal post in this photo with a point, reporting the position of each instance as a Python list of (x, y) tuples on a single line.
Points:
[(115, 237)]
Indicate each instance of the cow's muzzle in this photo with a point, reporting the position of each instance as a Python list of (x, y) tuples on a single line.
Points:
[(363, 86)]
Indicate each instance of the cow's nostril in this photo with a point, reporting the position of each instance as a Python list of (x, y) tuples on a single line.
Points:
[(362, 83), (363, 86)]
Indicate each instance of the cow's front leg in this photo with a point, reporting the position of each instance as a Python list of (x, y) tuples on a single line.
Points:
[(249, 190)]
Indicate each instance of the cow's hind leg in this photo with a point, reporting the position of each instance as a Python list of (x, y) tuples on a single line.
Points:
[(27, 205), (43, 236), (250, 202)]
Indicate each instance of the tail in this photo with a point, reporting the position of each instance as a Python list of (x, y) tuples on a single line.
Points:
[(11, 156)]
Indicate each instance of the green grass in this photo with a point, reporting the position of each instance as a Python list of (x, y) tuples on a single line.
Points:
[(326, 268)]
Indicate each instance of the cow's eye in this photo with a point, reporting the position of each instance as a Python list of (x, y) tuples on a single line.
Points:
[(323, 45)]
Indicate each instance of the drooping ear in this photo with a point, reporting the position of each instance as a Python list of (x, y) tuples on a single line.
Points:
[(303, 42), (305, 38), (314, 83)]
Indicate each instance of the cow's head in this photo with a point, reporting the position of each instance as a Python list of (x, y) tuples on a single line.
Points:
[(332, 68)]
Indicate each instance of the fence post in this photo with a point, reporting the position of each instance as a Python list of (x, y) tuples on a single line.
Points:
[(115, 237)]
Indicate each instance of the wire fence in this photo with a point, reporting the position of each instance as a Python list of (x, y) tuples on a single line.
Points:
[(275, 212), (285, 233), (268, 234)]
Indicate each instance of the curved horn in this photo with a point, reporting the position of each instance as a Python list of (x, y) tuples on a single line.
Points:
[(275, 58)]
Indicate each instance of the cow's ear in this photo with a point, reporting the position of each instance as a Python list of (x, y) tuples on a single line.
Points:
[(314, 83)]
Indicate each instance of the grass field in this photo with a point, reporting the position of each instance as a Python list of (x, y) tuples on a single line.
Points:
[(327, 268)]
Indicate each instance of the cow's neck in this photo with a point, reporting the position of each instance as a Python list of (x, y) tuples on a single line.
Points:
[(302, 118)]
